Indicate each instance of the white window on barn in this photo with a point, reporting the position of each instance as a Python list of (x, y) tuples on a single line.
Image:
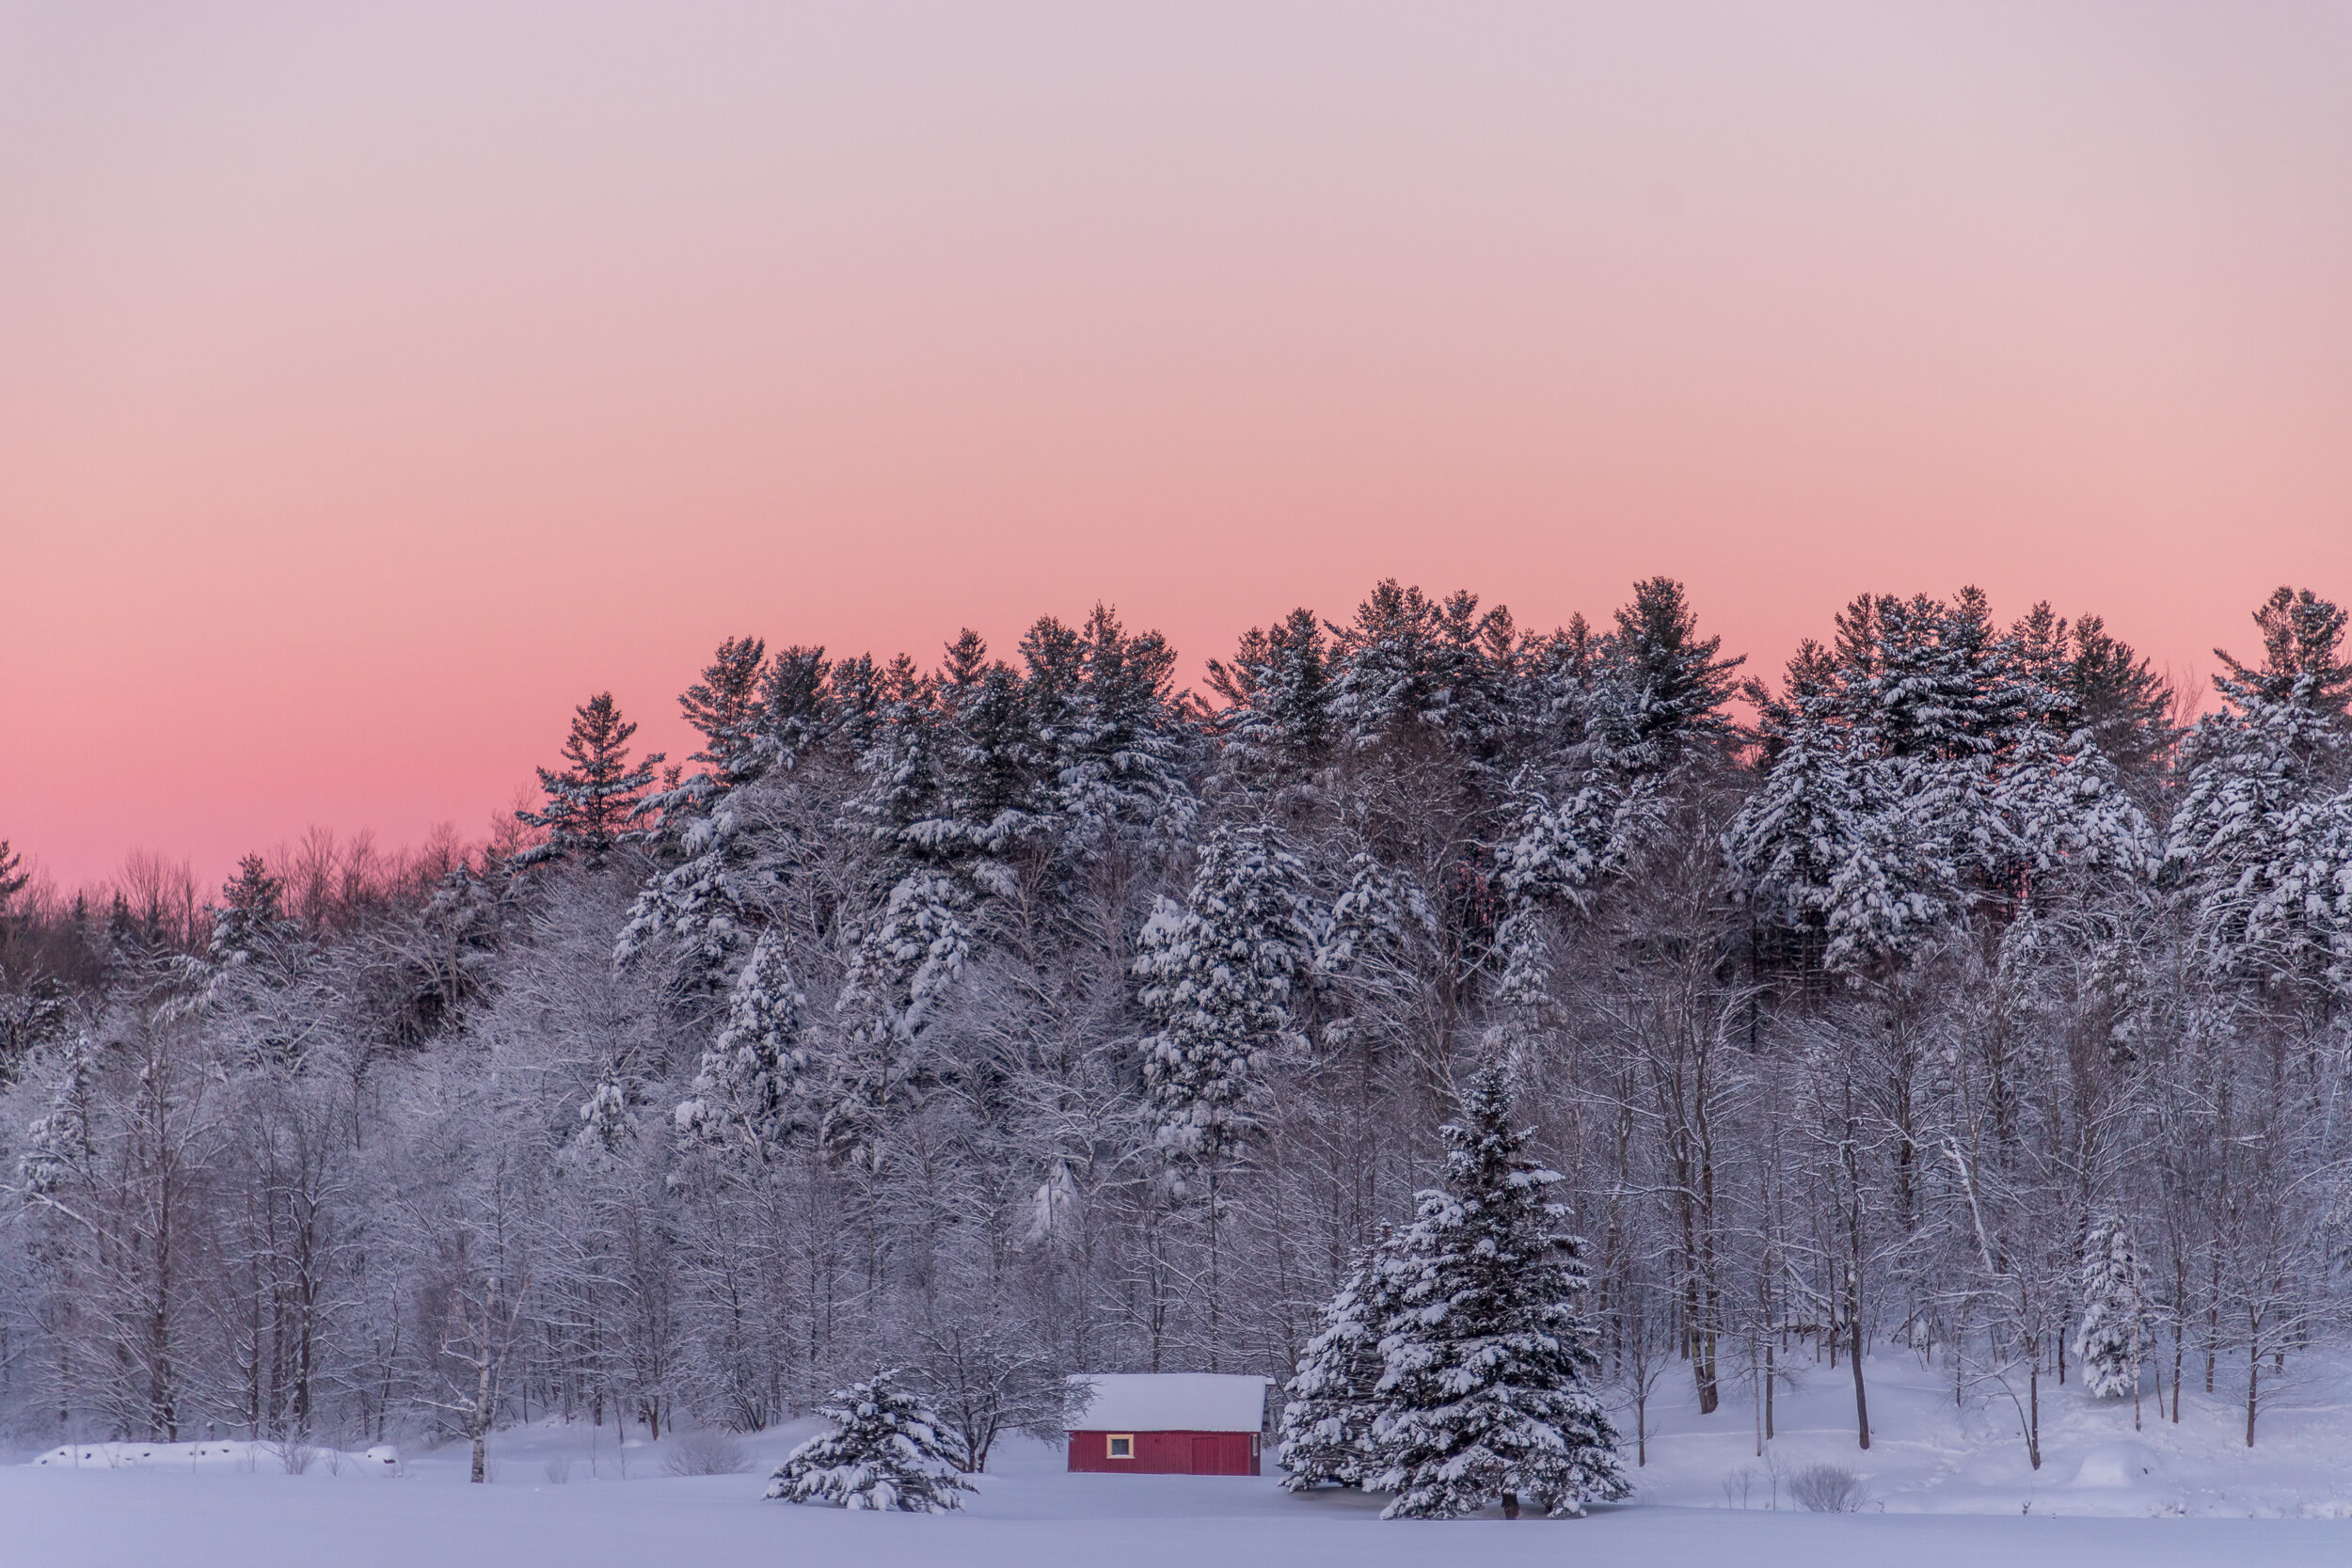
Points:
[(1123, 1445)]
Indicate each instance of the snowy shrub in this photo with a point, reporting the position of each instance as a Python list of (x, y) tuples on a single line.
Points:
[(294, 1454), (559, 1469), (1827, 1489), (884, 1454), (707, 1453)]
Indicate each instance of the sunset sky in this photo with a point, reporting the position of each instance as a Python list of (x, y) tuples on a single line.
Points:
[(379, 381)]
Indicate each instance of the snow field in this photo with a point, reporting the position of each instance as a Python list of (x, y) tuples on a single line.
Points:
[(1928, 1471), (1928, 1456), (1944, 1485)]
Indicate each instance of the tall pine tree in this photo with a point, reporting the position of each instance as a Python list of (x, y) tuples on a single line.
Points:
[(594, 804)]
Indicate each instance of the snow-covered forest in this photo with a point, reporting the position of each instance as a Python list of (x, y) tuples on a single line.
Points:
[(1963, 990)]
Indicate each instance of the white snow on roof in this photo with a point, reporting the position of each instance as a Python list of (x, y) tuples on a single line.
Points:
[(1171, 1402)]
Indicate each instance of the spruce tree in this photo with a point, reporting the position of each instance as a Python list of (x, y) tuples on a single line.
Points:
[(1664, 687), (2113, 1334), (886, 1452), (250, 919), (593, 804), (1487, 1388), (1277, 724), (746, 1097), (1218, 972), (1326, 1427), (1117, 764)]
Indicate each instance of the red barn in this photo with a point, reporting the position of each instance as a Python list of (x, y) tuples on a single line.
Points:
[(1168, 1423)]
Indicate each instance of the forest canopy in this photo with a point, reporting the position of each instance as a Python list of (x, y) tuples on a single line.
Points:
[(1018, 1014)]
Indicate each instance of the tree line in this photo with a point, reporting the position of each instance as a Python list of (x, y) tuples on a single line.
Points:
[(1008, 1018)]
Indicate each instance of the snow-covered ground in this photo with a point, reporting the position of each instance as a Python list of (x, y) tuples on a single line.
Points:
[(1944, 1487)]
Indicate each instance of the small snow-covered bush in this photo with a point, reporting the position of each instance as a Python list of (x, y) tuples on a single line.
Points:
[(707, 1453), (294, 1454), (884, 1454), (559, 1470), (1827, 1489)]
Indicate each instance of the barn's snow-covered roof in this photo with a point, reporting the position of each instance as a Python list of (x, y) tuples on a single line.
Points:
[(1170, 1401)]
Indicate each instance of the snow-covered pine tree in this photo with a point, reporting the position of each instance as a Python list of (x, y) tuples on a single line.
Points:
[(1796, 828), (730, 859), (1663, 687), (2250, 825), (1552, 855), (2113, 1337), (899, 973), (1487, 1378), (746, 1096), (2058, 807), (1116, 763), (991, 796), (885, 1453), (592, 806), (61, 1147), (1419, 671), (1334, 1398), (796, 705), (724, 706), (1275, 726), (13, 877), (1218, 972), (2302, 639), (250, 921), (2119, 698), (891, 712)]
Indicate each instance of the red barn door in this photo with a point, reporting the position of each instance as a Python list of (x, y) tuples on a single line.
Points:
[(1223, 1453)]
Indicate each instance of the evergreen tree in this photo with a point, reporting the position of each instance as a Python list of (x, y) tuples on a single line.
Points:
[(2124, 704), (1487, 1381), (1218, 973), (1418, 673), (2059, 806), (2252, 837), (1326, 1428), (1833, 841), (885, 1453), (2113, 1337), (13, 877), (1276, 723), (896, 713), (1379, 926), (593, 804), (2302, 636), (796, 704), (250, 921), (1116, 762), (989, 796), (726, 708), (900, 971), (746, 1094), (1665, 686)]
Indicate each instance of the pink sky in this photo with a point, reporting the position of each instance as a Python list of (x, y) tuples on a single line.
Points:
[(378, 382)]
